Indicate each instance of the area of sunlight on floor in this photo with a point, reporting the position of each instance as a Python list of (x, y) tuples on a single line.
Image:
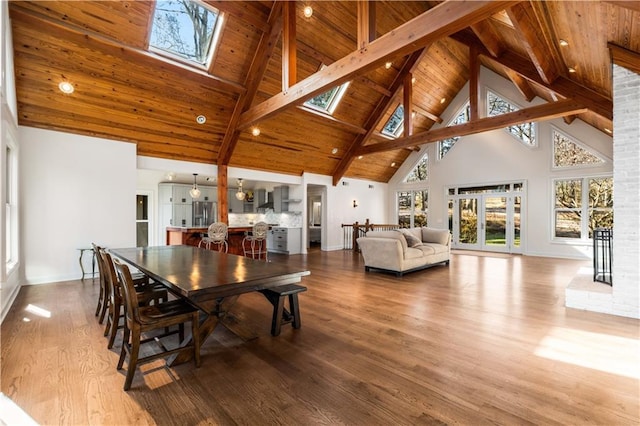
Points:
[(11, 414), (611, 354)]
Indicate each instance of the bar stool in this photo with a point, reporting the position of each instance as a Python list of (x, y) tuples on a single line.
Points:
[(256, 241), (217, 234)]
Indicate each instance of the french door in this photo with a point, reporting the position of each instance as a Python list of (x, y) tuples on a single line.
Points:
[(486, 218)]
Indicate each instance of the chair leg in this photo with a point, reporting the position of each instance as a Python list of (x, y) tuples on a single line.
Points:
[(123, 350), (114, 326), (99, 303), (133, 359), (196, 339), (103, 311)]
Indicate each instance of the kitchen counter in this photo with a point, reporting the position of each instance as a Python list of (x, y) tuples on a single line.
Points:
[(177, 235)]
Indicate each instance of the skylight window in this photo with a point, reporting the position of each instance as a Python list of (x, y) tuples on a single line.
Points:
[(524, 132), (329, 100), (395, 124), (185, 30)]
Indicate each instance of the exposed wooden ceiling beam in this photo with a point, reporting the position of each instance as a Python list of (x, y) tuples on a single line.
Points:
[(564, 87), (374, 119), (474, 83), (445, 19), (521, 84), (627, 4), (244, 11), (534, 36), (257, 69), (289, 51), (110, 47), (535, 113), (420, 110), (489, 37), (366, 23), (625, 57), (340, 123)]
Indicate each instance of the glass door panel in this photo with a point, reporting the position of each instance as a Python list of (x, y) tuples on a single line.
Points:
[(495, 222), (468, 221), (517, 205)]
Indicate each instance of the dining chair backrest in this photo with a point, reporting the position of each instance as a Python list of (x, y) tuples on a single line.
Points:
[(128, 292), (113, 285), (260, 230), (101, 309), (218, 231)]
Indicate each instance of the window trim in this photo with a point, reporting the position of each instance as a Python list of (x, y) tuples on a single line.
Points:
[(439, 155), (412, 192), (11, 253), (400, 129), (333, 102)]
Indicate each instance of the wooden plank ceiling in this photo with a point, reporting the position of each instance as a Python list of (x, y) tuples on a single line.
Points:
[(126, 93)]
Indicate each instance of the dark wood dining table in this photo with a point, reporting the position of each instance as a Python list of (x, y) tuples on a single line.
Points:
[(208, 279)]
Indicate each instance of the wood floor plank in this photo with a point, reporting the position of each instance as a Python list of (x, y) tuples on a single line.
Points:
[(485, 340)]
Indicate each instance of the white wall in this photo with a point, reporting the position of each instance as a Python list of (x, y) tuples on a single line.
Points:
[(75, 190), (497, 157)]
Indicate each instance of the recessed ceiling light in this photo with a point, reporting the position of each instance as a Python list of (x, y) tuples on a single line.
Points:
[(359, 157), (608, 130), (307, 11), (201, 119), (563, 43), (572, 70), (334, 151), (66, 87), (443, 100), (413, 80), (388, 65), (393, 164), (255, 131)]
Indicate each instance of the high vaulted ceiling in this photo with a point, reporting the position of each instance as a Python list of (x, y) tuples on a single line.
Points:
[(124, 92)]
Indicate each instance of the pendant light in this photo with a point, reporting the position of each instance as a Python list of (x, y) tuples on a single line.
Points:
[(240, 194), (194, 192)]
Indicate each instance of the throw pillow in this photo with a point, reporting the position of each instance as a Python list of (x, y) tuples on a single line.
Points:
[(412, 240)]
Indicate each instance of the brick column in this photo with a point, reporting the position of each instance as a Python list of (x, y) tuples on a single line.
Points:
[(626, 192)]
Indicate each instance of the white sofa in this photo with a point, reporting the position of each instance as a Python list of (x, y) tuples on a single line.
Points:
[(405, 250)]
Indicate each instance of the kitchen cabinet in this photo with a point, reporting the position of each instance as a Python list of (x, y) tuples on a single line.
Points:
[(175, 205), (280, 199), (284, 240), (235, 205), (208, 193)]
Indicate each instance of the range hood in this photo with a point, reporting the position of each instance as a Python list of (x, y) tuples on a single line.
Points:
[(268, 204)]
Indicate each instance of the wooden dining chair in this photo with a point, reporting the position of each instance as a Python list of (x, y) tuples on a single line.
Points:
[(103, 296), (144, 319), (146, 293)]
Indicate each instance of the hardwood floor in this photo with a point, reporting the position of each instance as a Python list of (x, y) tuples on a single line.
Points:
[(486, 340)]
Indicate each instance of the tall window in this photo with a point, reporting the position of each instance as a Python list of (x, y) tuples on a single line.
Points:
[(395, 125), (185, 29), (581, 205), (11, 209), (524, 132), (412, 208), (463, 117), (328, 101)]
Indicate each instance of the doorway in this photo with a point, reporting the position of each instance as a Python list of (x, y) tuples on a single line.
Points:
[(487, 218), (315, 216), (144, 237)]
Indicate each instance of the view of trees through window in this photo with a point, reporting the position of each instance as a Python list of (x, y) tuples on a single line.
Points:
[(419, 172), (525, 132), (582, 205), (567, 153), (184, 28), (463, 117), (412, 208)]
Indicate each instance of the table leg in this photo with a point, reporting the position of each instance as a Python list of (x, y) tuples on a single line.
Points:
[(216, 312), (81, 265)]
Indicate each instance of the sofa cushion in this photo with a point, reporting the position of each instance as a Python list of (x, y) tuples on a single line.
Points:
[(412, 240), (413, 253), (427, 249), (390, 234), (433, 235), (433, 248)]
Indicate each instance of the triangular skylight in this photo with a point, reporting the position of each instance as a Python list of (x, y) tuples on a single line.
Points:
[(185, 30), (395, 125), (463, 117), (569, 153), (524, 132), (419, 172)]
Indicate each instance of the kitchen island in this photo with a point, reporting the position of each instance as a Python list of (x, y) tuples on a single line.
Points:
[(177, 235)]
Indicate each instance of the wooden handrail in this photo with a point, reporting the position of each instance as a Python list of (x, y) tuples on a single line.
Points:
[(359, 230)]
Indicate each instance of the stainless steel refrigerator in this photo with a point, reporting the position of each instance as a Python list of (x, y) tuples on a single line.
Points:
[(204, 213)]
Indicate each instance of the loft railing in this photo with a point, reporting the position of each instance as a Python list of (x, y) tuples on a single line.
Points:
[(352, 231)]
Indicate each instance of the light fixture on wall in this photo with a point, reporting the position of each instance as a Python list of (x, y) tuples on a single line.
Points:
[(194, 192), (355, 203), (239, 193)]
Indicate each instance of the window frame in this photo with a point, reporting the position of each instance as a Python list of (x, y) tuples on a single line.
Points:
[(400, 128), (581, 145), (334, 101), (412, 208), (440, 156), (584, 210), (213, 45), (11, 251)]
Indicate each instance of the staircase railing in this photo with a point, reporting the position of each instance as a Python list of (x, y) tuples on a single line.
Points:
[(352, 231)]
